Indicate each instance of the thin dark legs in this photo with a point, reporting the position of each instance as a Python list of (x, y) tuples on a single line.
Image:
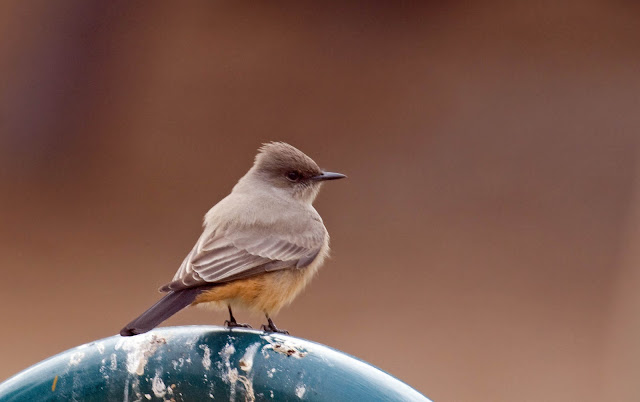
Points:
[(271, 327), (232, 323)]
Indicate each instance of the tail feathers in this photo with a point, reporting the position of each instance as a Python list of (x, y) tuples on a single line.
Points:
[(166, 307)]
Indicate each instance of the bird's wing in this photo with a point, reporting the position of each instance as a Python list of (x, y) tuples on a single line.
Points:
[(224, 255)]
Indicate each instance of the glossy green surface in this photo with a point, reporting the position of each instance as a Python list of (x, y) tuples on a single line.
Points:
[(204, 363)]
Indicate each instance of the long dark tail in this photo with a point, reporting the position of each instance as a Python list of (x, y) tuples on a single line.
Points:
[(170, 304)]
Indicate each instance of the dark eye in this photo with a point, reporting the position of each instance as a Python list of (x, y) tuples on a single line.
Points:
[(293, 176)]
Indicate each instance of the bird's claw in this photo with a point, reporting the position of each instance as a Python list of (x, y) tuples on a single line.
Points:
[(233, 324), (273, 328)]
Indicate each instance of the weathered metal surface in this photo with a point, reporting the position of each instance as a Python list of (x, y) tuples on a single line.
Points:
[(200, 363)]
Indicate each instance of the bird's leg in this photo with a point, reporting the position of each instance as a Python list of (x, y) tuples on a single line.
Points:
[(271, 327), (232, 323)]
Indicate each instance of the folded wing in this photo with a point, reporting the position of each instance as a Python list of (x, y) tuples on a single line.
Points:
[(222, 255)]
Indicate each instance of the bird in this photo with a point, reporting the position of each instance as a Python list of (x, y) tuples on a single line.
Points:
[(260, 245)]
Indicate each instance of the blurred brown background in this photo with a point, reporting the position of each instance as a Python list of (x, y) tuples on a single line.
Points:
[(485, 245)]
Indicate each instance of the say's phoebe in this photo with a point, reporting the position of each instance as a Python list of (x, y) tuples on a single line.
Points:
[(260, 246)]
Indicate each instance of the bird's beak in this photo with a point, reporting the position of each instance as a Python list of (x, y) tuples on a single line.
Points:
[(328, 176)]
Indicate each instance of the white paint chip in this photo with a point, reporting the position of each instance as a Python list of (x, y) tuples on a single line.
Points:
[(300, 390), (246, 363), (206, 358), (157, 386), (283, 346), (76, 358), (227, 351), (139, 349)]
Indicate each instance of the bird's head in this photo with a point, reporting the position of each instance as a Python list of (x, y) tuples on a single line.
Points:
[(287, 169)]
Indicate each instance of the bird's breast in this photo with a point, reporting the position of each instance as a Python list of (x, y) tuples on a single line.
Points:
[(264, 293)]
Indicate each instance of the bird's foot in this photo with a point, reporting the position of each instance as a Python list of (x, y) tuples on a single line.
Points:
[(234, 324), (271, 327)]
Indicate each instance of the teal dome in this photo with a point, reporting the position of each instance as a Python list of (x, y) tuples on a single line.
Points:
[(199, 363)]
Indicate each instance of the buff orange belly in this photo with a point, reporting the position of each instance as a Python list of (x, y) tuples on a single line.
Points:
[(265, 293)]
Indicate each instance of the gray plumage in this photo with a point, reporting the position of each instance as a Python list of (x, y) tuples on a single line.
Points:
[(258, 228), (267, 223)]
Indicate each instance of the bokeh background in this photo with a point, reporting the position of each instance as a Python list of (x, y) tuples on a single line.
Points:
[(485, 245)]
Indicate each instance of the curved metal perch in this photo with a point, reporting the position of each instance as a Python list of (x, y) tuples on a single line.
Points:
[(197, 363)]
